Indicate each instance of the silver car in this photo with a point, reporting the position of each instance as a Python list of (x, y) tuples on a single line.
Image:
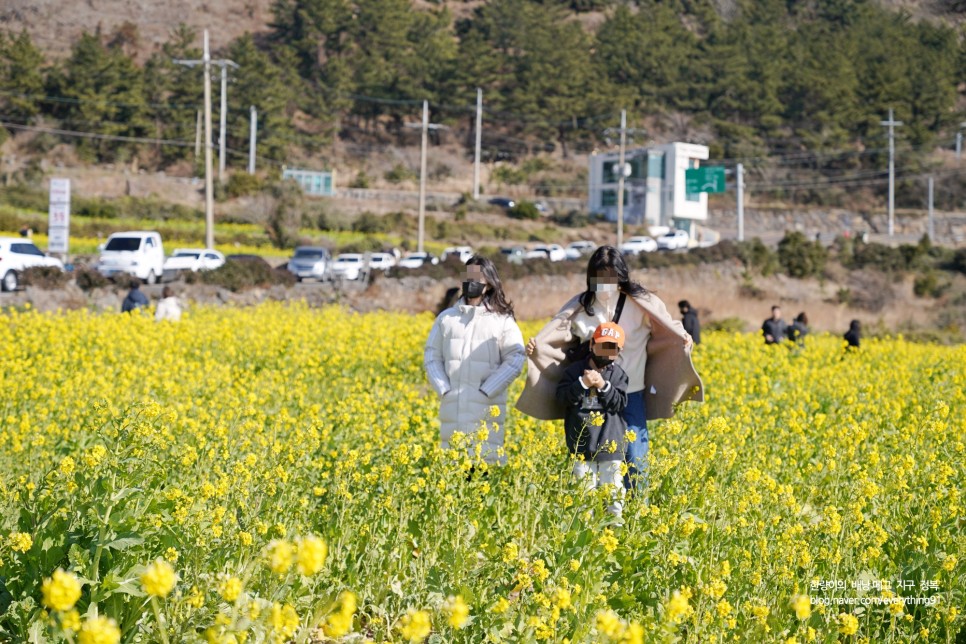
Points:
[(310, 262)]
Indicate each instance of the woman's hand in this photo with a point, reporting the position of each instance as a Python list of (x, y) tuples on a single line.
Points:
[(531, 346)]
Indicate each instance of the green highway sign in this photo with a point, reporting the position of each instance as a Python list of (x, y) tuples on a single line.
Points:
[(707, 179)]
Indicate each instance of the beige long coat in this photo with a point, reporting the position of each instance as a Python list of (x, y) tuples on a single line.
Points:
[(669, 376)]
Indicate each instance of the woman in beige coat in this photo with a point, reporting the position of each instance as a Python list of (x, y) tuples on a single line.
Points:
[(656, 356)]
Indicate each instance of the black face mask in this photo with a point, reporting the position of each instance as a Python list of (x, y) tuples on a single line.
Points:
[(601, 361), (472, 289)]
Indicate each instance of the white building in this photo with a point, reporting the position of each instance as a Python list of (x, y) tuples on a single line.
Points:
[(654, 193)]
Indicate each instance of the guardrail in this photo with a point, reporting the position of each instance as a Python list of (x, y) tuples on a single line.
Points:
[(436, 199)]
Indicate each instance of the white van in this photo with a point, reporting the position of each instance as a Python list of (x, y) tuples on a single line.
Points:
[(137, 253)]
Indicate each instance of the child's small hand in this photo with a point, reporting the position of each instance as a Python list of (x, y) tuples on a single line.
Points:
[(593, 378)]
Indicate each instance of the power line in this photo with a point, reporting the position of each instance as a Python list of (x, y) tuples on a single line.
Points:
[(93, 135), (78, 101)]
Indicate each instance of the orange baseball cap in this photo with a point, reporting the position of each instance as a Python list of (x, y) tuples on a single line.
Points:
[(610, 332)]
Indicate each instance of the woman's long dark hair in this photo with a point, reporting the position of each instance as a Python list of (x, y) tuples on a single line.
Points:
[(494, 299), (604, 258)]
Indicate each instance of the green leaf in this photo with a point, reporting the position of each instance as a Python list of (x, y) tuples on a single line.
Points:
[(123, 494), (124, 541), (114, 585), (36, 633)]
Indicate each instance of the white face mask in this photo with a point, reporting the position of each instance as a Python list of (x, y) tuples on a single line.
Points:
[(605, 288)]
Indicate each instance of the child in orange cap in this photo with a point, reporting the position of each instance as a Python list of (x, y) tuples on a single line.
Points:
[(595, 393)]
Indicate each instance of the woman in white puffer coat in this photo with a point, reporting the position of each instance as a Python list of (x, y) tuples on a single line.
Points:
[(473, 353)]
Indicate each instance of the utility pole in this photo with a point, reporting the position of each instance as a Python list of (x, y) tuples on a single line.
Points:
[(891, 124), (198, 136), (209, 189), (479, 142), (223, 115), (740, 185), (222, 118), (931, 229), (620, 180), (207, 62), (252, 129), (622, 170), (426, 126), (422, 177)]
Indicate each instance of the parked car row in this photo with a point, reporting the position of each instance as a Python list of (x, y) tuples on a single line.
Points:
[(552, 252), (141, 253), (670, 240)]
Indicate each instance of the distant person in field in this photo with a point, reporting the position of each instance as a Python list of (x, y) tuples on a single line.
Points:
[(169, 308), (594, 394), (656, 354), (473, 353), (798, 329), (854, 335), (689, 318), (135, 299), (774, 328)]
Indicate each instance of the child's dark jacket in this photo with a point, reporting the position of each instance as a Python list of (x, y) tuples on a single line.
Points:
[(592, 442)]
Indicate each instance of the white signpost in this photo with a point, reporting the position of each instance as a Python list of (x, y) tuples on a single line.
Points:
[(58, 223)]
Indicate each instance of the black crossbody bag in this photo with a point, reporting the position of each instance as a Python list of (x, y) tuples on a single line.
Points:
[(580, 351)]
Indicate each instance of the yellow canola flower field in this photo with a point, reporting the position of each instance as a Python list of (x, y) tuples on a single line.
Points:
[(272, 474)]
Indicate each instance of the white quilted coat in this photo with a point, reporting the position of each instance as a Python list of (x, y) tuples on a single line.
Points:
[(472, 355)]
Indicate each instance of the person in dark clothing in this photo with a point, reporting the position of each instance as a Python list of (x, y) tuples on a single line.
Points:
[(135, 298), (853, 335), (450, 298), (798, 329), (594, 391), (689, 319), (774, 328)]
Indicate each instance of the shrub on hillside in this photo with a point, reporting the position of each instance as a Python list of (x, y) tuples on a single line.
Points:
[(800, 257), (24, 196), (239, 184), (722, 251), (369, 223), (928, 284), (756, 256), (11, 220), (874, 255), (398, 174), (96, 208), (283, 205), (573, 219), (48, 278), (524, 210), (508, 175)]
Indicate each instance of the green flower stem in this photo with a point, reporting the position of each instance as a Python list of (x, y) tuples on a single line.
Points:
[(157, 616)]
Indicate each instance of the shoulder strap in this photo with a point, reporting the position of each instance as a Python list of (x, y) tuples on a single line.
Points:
[(620, 306)]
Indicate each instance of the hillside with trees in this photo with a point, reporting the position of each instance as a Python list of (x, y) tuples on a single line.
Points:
[(780, 85)]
